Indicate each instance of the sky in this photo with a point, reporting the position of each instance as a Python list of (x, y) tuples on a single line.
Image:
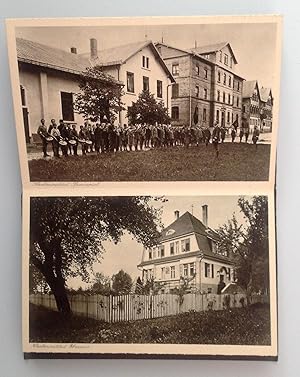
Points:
[(252, 43), (128, 253)]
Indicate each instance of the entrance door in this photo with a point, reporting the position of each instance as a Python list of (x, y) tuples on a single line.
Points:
[(26, 124)]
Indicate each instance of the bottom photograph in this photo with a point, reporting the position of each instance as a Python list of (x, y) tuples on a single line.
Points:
[(153, 271)]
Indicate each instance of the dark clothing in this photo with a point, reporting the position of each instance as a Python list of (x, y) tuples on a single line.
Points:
[(98, 138)]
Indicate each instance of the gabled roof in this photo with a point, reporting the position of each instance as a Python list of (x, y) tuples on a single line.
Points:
[(46, 56), (265, 93), (121, 54), (248, 88), (208, 49)]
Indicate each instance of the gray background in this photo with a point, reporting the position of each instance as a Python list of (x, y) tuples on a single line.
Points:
[(288, 199)]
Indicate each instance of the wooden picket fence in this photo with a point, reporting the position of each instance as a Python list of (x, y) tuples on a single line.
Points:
[(135, 307)]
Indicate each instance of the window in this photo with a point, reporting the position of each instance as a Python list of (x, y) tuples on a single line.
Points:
[(177, 247), (218, 95), (145, 62), (205, 73), (162, 251), (162, 271), (192, 269), (244, 108), (207, 270), (205, 93), (238, 85), (229, 98), (218, 116), (23, 95), (204, 114), (185, 269), (172, 272), (238, 101), (159, 89), (230, 62), (197, 70), (130, 82), (145, 84), (228, 117), (175, 90), (185, 245), (172, 248), (219, 76), (150, 254), (229, 81), (197, 92), (224, 97), (175, 69), (67, 106), (224, 81), (221, 56), (225, 59), (212, 271), (175, 112)]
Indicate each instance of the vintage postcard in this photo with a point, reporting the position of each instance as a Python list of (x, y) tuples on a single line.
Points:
[(146, 99), (174, 276)]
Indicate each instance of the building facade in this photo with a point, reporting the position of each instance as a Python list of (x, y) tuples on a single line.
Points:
[(257, 105), (49, 78), (188, 251), (207, 88)]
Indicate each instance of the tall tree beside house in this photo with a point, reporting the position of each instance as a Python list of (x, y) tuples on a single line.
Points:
[(121, 283), (100, 95), (67, 234), (148, 110), (248, 244), (100, 284)]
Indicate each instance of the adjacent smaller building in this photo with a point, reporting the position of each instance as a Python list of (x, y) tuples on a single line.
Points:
[(257, 105), (188, 249)]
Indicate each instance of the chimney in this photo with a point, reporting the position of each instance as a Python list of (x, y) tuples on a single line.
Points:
[(205, 214), (93, 48), (176, 213), (74, 50)]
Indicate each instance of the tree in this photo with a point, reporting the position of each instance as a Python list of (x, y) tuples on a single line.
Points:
[(100, 284), (248, 244), (121, 283), (99, 96), (67, 234), (148, 110)]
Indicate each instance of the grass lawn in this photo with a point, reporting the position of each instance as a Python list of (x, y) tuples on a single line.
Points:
[(241, 326), (237, 162)]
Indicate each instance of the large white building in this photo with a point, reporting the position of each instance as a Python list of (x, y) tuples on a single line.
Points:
[(49, 78), (188, 250)]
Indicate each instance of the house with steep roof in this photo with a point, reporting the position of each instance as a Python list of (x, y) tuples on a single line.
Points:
[(49, 78), (188, 250), (266, 107), (207, 87)]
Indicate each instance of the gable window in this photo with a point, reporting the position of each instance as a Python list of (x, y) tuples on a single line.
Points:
[(197, 91), (205, 73), (225, 59), (172, 248), (221, 56), (230, 62), (204, 114), (175, 112), (130, 82), (175, 69), (172, 272), (145, 84), (159, 89), (67, 106), (145, 62), (207, 270), (175, 90)]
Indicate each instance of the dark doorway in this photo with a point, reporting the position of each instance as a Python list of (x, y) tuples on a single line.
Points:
[(26, 124)]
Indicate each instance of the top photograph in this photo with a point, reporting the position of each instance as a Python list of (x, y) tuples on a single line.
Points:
[(167, 99)]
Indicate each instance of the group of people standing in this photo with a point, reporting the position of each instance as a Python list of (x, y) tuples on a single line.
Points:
[(106, 137)]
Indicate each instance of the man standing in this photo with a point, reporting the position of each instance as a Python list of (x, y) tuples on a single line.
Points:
[(223, 133), (56, 137), (42, 131), (98, 137), (233, 134), (64, 134), (255, 136), (216, 138), (74, 136)]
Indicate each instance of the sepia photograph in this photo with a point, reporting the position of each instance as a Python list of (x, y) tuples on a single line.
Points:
[(122, 271), (173, 100)]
